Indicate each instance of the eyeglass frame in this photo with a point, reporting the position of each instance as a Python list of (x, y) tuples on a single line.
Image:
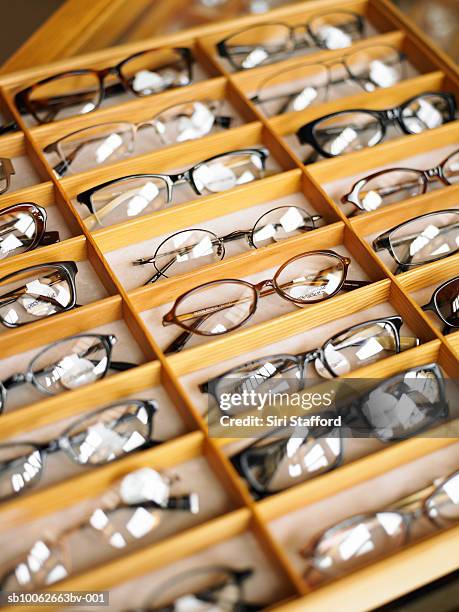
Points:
[(257, 289), (184, 502), (68, 269), (303, 359), (432, 306), (219, 240), (39, 214), (354, 414), (63, 166), (328, 65), (237, 576), (436, 173), (401, 508), (384, 117), (22, 97), (7, 169), (106, 340), (84, 197), (383, 241), (223, 51), (61, 444)]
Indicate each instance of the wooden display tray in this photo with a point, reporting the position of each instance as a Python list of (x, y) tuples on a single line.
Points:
[(365, 589)]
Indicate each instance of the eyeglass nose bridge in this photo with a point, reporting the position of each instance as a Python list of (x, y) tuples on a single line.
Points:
[(392, 114), (264, 284), (435, 174)]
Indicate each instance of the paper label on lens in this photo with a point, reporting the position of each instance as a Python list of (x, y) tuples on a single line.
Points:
[(215, 177), (304, 99), (199, 124), (254, 58), (429, 114), (382, 74), (143, 485), (342, 141), (35, 290), (334, 38), (371, 200), (451, 487), (369, 348), (9, 244), (145, 80), (337, 361), (107, 147), (74, 371), (25, 224)]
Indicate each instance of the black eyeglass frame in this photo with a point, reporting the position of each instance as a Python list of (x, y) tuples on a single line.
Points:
[(294, 44), (433, 306), (354, 416), (61, 444), (383, 242), (68, 270), (384, 117), (303, 359), (21, 378), (85, 197)]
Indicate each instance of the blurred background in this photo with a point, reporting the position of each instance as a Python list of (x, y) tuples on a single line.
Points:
[(20, 18)]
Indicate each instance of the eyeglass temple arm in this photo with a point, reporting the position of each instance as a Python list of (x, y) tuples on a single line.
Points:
[(9, 127), (62, 167), (121, 366), (49, 238), (382, 242), (187, 503), (178, 344)]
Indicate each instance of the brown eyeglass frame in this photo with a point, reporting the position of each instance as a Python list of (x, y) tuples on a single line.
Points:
[(6, 171), (22, 98), (436, 173), (261, 289), (42, 237)]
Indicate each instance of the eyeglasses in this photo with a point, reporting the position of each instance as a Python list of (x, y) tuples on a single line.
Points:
[(221, 306), (445, 303), (355, 129), (191, 249), (139, 504), (92, 440), (77, 92), (271, 42), (346, 351), (398, 408), (67, 364), (363, 538), (7, 128), (203, 588), (130, 196), (6, 172), (397, 184), (23, 228), (304, 85), (426, 238), (108, 142), (37, 292)]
